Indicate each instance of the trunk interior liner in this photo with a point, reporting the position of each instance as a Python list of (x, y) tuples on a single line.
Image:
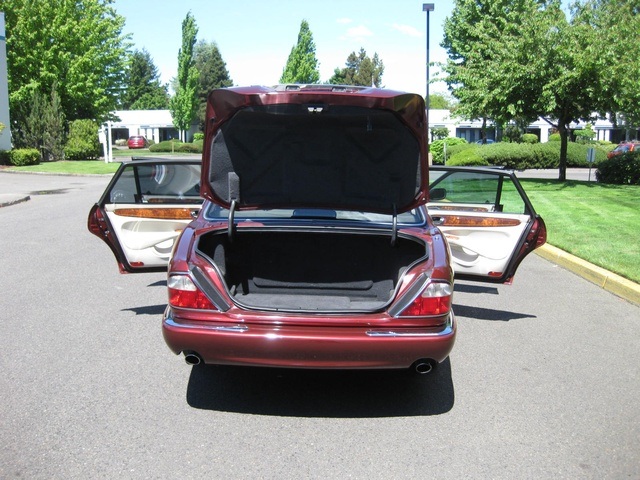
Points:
[(311, 270)]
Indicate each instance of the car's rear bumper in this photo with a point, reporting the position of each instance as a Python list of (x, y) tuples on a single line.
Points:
[(308, 347)]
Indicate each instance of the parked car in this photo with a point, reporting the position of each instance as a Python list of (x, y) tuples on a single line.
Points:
[(624, 147), (316, 244), (137, 141), (486, 142)]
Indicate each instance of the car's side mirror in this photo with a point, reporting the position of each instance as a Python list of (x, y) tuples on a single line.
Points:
[(436, 194)]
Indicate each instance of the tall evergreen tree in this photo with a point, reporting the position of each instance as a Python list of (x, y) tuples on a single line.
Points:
[(302, 65), (44, 126), (143, 90), (360, 70), (54, 128), (212, 72), (185, 101)]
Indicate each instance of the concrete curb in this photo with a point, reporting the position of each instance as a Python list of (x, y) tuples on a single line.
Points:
[(611, 282)]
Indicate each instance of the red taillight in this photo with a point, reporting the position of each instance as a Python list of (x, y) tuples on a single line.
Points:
[(184, 293), (435, 299)]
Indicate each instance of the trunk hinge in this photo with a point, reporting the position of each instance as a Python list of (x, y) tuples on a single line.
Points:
[(234, 195), (231, 229), (394, 226)]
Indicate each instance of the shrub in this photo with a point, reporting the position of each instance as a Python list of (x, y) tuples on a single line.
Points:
[(546, 155), (577, 154), (584, 135), (198, 136), (529, 138), (554, 137), (437, 148), (512, 134), (439, 133), (520, 156), (451, 151), (189, 148), (82, 143), (176, 146), (4, 157), (517, 156), (166, 146), (467, 157), (620, 170), (24, 156)]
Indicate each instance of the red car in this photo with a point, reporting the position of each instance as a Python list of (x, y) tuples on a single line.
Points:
[(316, 245), (624, 147), (137, 141)]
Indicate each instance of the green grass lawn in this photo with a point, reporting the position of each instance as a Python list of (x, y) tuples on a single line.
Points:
[(596, 222), (83, 167)]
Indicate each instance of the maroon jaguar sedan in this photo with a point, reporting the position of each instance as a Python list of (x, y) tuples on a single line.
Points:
[(313, 234)]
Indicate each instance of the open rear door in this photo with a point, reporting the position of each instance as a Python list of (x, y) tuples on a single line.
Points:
[(488, 221), (144, 209)]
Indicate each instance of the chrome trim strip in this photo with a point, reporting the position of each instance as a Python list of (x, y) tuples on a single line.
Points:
[(448, 330), (391, 333), (201, 325)]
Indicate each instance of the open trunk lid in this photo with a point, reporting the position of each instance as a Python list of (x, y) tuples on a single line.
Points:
[(315, 147)]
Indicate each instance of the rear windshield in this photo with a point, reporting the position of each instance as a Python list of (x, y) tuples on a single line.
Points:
[(413, 217)]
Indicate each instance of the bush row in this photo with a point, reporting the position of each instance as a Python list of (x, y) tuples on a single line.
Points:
[(82, 144), (520, 156), (177, 146)]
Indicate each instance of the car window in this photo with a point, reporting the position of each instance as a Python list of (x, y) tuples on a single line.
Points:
[(488, 192), (157, 183)]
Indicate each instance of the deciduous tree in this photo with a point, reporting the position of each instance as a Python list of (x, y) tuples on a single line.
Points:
[(525, 59), (183, 104), (77, 44), (439, 101), (617, 23), (302, 65)]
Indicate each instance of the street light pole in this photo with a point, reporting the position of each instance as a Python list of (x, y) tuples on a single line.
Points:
[(427, 7)]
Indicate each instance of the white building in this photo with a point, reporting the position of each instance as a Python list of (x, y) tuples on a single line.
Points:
[(5, 135), (471, 131), (156, 125)]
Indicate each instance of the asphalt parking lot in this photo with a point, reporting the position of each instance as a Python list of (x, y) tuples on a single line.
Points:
[(542, 382)]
